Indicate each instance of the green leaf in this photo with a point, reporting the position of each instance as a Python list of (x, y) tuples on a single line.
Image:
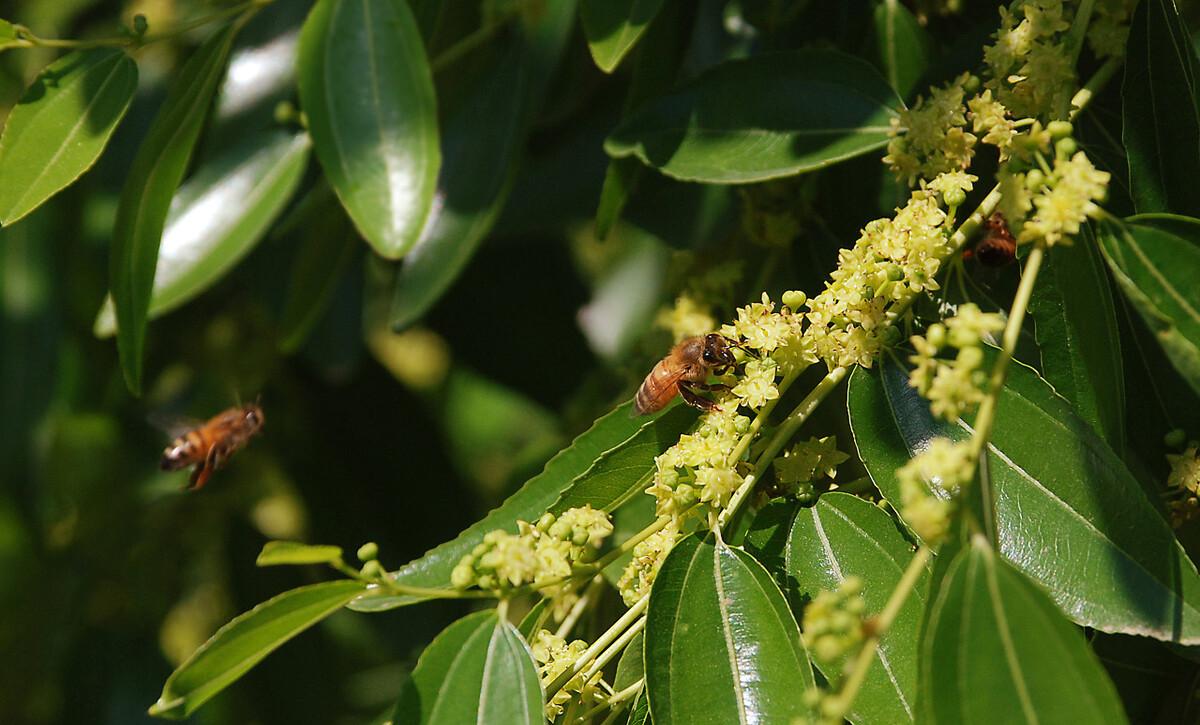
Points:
[(366, 88), (598, 453), (218, 216), (275, 553), (1024, 663), (326, 249), (1160, 115), (1158, 270), (61, 125), (1078, 339), (902, 46), (1059, 488), (245, 641), (631, 666), (613, 27), (639, 714), (478, 670), (655, 69), (152, 179), (771, 115), (8, 35), (845, 536), (479, 160), (721, 644), (529, 623)]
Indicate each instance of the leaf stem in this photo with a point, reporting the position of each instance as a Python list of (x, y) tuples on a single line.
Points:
[(615, 648), (866, 655), (30, 39), (615, 700), (602, 642)]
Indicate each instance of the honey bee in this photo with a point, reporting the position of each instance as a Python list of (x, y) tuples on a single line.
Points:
[(997, 247), (685, 370), (209, 445)]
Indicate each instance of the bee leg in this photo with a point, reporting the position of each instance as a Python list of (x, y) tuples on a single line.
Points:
[(199, 475), (692, 398), (713, 387)]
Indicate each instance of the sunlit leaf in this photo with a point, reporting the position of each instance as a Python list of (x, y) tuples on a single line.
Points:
[(721, 644), (607, 461), (61, 125), (275, 553), (1161, 111), (902, 46), (1025, 663), (245, 641), (1059, 488), (763, 117), (1157, 266), (614, 26), (151, 182), (478, 670), (217, 217), (1077, 336), (479, 160), (367, 91)]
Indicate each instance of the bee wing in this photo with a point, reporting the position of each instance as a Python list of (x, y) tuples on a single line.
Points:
[(172, 424)]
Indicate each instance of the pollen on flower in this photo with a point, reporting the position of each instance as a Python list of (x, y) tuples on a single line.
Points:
[(648, 556), (537, 554)]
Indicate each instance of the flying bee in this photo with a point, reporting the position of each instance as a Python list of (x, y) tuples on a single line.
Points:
[(685, 371), (997, 247), (209, 445)]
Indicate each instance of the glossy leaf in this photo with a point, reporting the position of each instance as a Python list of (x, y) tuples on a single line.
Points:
[(763, 117), (478, 670), (1158, 270), (998, 650), (245, 641), (613, 27), (600, 452), (326, 248), (61, 125), (218, 216), (845, 536), (655, 68), (1161, 111), (479, 160), (639, 713), (721, 644), (1059, 488), (1078, 339), (366, 88), (631, 666), (275, 553), (146, 199), (902, 46)]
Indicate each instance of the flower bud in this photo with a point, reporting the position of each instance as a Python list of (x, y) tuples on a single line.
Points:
[(1175, 439), (1059, 129), (895, 272), (1035, 180), (936, 335), (368, 551), (794, 299), (545, 522), (284, 112), (1066, 147), (462, 576), (373, 570), (971, 85), (954, 197)]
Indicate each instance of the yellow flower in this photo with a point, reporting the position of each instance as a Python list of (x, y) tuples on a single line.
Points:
[(688, 318)]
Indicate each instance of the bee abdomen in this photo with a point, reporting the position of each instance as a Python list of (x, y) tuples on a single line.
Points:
[(652, 395)]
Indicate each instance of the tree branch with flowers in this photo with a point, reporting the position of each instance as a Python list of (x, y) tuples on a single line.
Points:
[(952, 473)]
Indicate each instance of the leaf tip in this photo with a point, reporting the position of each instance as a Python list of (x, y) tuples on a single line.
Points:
[(172, 709)]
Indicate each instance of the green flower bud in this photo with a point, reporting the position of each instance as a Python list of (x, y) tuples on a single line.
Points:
[(1060, 129), (1175, 439), (579, 537), (840, 321), (669, 477), (1066, 147), (895, 272), (794, 299), (487, 581), (545, 522), (462, 576), (954, 197), (140, 26), (1035, 180), (368, 551), (685, 496), (971, 85), (284, 112), (741, 424), (373, 570), (936, 335)]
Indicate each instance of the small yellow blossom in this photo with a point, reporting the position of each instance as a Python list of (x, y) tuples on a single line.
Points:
[(833, 622), (1030, 70), (1067, 200), (757, 385), (807, 460), (554, 657), (929, 484), (687, 318), (648, 557), (953, 388), (929, 138), (991, 117)]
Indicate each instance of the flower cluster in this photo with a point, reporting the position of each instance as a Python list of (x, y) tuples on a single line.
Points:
[(687, 318), (806, 462), (931, 137), (554, 657), (648, 557), (833, 622), (1110, 26), (1065, 198), (1030, 69), (953, 388), (537, 554), (993, 120), (893, 259), (1183, 485), (930, 482)]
